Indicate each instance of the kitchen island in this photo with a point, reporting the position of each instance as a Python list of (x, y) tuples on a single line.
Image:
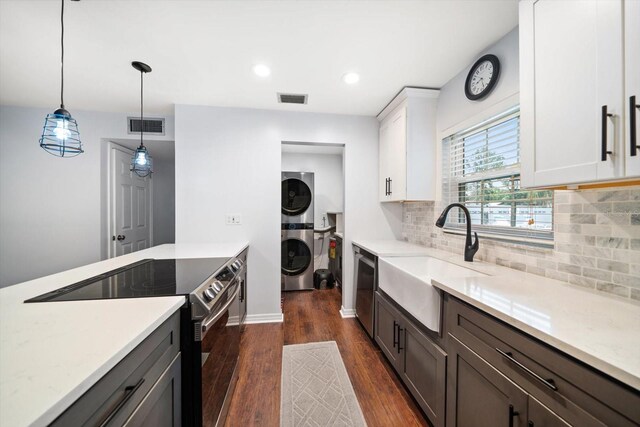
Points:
[(52, 353)]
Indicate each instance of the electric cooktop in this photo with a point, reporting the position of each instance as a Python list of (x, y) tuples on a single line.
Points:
[(146, 278)]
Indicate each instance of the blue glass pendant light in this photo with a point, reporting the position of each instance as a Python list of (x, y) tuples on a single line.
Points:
[(60, 135), (141, 162)]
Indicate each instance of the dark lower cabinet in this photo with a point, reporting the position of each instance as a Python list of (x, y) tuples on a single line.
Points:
[(479, 395), (420, 363), (541, 416), (161, 407)]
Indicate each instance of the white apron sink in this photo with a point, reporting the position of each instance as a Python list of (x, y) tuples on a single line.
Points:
[(407, 280)]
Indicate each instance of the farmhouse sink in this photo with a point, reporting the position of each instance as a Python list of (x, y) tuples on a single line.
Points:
[(407, 280)]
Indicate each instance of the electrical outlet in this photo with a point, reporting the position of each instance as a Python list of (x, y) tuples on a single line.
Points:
[(233, 219)]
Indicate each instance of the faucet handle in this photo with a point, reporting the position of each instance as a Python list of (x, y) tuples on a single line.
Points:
[(475, 244)]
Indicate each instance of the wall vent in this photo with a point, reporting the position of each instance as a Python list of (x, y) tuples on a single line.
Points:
[(292, 98), (150, 126)]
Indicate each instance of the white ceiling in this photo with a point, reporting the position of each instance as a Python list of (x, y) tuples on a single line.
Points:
[(202, 52)]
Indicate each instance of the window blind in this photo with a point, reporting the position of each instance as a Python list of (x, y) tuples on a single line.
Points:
[(482, 171)]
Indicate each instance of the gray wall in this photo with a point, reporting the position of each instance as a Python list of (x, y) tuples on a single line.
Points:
[(164, 200), (53, 210), (229, 161)]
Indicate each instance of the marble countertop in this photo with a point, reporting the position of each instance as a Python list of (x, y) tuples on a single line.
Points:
[(390, 247), (596, 328), (52, 353)]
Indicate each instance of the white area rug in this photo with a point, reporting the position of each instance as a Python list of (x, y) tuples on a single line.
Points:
[(316, 390)]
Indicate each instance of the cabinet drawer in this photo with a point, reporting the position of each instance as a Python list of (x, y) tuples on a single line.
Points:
[(115, 396), (582, 396)]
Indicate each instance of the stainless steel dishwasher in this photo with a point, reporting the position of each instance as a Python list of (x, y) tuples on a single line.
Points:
[(365, 279)]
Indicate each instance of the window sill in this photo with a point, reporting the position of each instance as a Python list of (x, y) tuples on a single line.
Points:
[(518, 240)]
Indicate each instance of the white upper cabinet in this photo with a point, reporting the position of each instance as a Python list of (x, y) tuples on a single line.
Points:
[(408, 146), (632, 86), (572, 90)]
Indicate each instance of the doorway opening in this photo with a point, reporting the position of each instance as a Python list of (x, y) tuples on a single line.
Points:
[(141, 211), (312, 177)]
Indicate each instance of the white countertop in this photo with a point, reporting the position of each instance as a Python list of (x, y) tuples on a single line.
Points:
[(390, 247), (598, 329), (52, 353)]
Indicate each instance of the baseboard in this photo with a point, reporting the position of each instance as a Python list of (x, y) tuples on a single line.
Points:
[(347, 312), (264, 318)]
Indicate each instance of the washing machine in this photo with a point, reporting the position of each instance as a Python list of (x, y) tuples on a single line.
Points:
[(297, 198), (296, 254)]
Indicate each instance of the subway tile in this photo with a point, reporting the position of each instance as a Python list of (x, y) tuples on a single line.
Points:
[(596, 252), (635, 219), (626, 280), (612, 242), (635, 294), (569, 268), (535, 270), (582, 261), (612, 288), (627, 207), (624, 255), (596, 230), (518, 266), (597, 274), (569, 208), (606, 264), (547, 264), (597, 207), (569, 248), (613, 219), (582, 218), (568, 228), (557, 275), (582, 281), (612, 195)]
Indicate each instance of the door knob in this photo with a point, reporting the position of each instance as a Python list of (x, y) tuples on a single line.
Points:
[(121, 237)]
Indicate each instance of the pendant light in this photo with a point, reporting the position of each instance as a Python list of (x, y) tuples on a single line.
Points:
[(60, 135), (141, 162)]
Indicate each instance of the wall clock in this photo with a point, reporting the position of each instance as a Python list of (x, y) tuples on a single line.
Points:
[(482, 77)]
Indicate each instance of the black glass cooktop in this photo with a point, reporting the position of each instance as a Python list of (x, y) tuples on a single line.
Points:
[(146, 278)]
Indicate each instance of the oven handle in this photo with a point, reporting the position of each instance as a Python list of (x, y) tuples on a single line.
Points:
[(205, 325)]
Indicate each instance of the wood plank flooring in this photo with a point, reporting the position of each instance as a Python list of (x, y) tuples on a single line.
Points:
[(311, 316)]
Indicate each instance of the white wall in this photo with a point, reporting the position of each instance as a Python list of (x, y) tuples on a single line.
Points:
[(455, 109), (164, 200), (328, 192), (229, 161), (53, 210)]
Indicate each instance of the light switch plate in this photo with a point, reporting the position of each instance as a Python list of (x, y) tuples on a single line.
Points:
[(233, 219)]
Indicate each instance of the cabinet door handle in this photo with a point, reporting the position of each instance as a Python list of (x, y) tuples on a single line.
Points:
[(605, 118), (633, 135), (128, 392), (390, 181), (395, 340), (546, 382), (386, 188), (399, 330), (512, 415)]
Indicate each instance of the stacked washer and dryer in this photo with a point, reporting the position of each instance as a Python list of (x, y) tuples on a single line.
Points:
[(297, 231)]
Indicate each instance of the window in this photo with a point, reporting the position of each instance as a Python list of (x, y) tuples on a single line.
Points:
[(482, 171)]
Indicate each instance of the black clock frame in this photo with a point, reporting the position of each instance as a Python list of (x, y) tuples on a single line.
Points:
[(494, 79)]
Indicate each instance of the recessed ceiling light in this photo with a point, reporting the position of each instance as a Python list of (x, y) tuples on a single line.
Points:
[(351, 78), (261, 70)]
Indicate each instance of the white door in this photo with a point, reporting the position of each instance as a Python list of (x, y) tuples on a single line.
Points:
[(571, 66), (130, 206), (632, 89)]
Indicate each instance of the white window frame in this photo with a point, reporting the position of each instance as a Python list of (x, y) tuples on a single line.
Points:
[(530, 236)]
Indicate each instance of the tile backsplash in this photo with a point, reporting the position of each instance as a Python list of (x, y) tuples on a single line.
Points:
[(596, 237)]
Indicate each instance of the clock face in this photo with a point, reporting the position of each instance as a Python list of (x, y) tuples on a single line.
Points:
[(482, 77)]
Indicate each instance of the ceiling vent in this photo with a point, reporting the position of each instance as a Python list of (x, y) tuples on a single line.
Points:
[(149, 126), (292, 98)]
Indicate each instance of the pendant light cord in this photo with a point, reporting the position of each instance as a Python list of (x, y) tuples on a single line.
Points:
[(62, 57), (141, 106)]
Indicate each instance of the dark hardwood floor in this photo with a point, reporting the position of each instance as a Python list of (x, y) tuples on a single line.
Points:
[(311, 316)]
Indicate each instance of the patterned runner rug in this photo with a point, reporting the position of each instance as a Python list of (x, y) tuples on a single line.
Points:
[(316, 390)]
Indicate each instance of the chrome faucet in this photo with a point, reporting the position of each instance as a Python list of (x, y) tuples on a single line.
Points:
[(469, 248)]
